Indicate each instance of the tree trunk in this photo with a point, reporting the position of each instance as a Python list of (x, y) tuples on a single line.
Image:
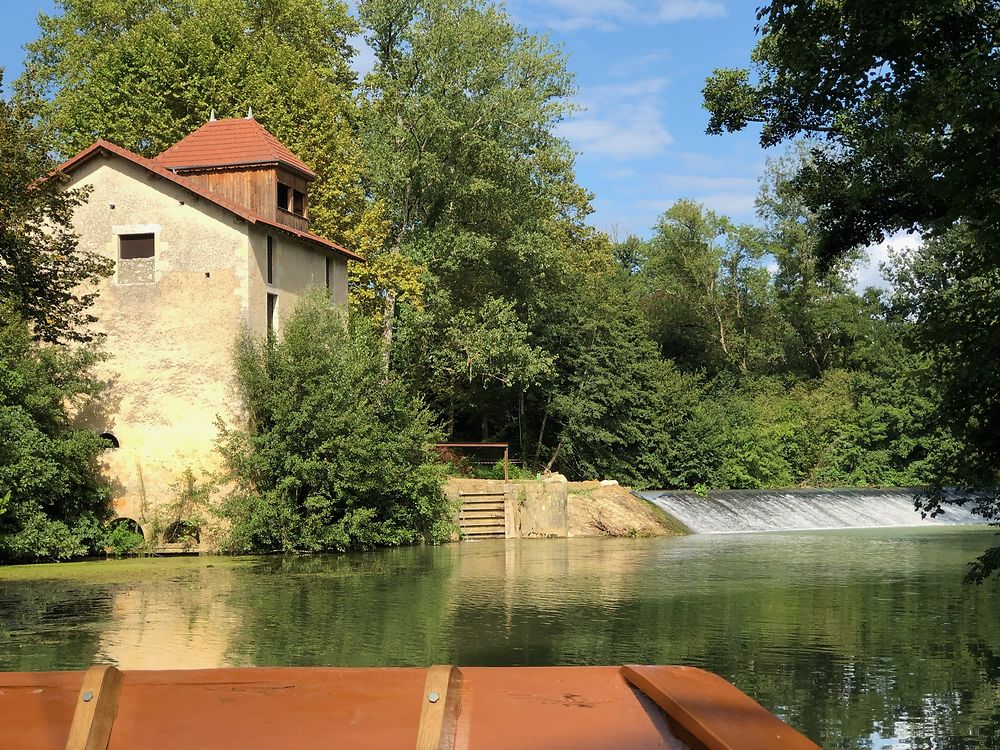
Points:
[(520, 428), (388, 327), (541, 436), (549, 465)]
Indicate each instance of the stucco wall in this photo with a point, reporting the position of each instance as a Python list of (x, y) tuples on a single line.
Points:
[(170, 322), (169, 337), (296, 267)]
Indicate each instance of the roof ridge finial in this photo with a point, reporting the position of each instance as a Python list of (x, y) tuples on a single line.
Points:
[(250, 113), (211, 117)]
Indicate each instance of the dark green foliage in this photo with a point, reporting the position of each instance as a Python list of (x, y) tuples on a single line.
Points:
[(331, 457), (42, 267), (51, 502), (950, 289), (902, 93)]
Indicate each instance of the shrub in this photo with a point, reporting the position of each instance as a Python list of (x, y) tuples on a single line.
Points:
[(333, 454), (53, 499)]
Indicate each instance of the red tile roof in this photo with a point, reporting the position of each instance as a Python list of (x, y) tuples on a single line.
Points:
[(230, 143), (102, 147)]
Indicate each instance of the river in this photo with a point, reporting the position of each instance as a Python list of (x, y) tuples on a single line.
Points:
[(860, 639)]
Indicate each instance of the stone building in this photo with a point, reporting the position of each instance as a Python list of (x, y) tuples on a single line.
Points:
[(209, 238)]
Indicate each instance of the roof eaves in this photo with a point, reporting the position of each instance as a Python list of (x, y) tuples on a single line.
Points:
[(249, 216), (309, 175)]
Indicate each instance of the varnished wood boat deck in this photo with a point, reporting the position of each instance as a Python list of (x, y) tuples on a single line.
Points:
[(478, 708)]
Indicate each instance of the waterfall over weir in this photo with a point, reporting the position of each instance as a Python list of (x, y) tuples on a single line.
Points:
[(743, 511)]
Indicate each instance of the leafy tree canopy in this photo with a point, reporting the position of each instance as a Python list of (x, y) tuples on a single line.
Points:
[(145, 73), (331, 457), (52, 503), (901, 95), (41, 268)]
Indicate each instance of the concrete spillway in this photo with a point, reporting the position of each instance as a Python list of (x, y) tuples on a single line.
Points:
[(744, 511)]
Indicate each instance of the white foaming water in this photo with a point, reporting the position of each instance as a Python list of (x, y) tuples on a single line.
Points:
[(744, 511)]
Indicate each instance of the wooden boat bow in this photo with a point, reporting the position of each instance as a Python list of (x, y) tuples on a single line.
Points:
[(440, 708)]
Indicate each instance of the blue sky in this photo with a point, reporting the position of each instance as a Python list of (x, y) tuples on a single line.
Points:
[(639, 67), (640, 128)]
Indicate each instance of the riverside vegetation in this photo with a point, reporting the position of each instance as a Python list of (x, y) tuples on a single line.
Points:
[(711, 355)]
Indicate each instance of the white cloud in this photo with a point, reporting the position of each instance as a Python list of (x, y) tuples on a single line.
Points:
[(573, 15), (621, 122), (868, 272), (739, 206), (695, 183), (681, 10), (622, 127)]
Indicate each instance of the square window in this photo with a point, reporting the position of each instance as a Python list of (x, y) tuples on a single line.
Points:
[(131, 246)]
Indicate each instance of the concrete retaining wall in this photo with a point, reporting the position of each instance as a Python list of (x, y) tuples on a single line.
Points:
[(532, 508)]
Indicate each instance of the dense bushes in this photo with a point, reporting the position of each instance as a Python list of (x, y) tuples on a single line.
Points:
[(332, 455), (52, 503)]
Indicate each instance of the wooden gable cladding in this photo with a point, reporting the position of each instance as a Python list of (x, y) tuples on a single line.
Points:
[(256, 188)]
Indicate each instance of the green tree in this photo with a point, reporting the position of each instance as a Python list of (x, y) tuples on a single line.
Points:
[(145, 73), (901, 94), (41, 268), (458, 133), (829, 323), (52, 502), (332, 456), (948, 288), (709, 294)]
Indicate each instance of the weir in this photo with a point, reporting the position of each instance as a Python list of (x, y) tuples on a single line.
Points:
[(746, 511)]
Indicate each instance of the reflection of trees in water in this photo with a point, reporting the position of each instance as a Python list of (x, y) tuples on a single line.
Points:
[(840, 658), (50, 625), (884, 646)]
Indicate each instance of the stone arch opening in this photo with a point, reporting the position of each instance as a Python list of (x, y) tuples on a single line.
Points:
[(182, 532), (128, 524)]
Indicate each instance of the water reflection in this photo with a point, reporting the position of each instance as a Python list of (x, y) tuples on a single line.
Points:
[(860, 639)]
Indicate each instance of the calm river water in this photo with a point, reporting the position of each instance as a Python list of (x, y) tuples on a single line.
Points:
[(858, 638)]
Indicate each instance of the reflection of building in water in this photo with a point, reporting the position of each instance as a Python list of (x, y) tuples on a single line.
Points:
[(180, 623), (548, 575)]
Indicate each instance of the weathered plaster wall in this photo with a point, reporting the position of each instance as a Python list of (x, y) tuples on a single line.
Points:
[(169, 323), (296, 267)]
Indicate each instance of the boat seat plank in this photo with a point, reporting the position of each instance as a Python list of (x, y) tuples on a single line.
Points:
[(708, 713), (96, 707), (441, 701)]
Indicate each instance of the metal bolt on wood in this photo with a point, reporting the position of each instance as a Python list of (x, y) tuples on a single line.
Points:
[(434, 697)]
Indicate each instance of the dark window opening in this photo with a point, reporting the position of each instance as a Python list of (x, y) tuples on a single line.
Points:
[(291, 200), (131, 246), (270, 259), (111, 439), (329, 271), (272, 310)]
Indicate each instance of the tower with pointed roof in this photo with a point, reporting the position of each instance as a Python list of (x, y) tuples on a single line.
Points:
[(239, 160), (210, 239)]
